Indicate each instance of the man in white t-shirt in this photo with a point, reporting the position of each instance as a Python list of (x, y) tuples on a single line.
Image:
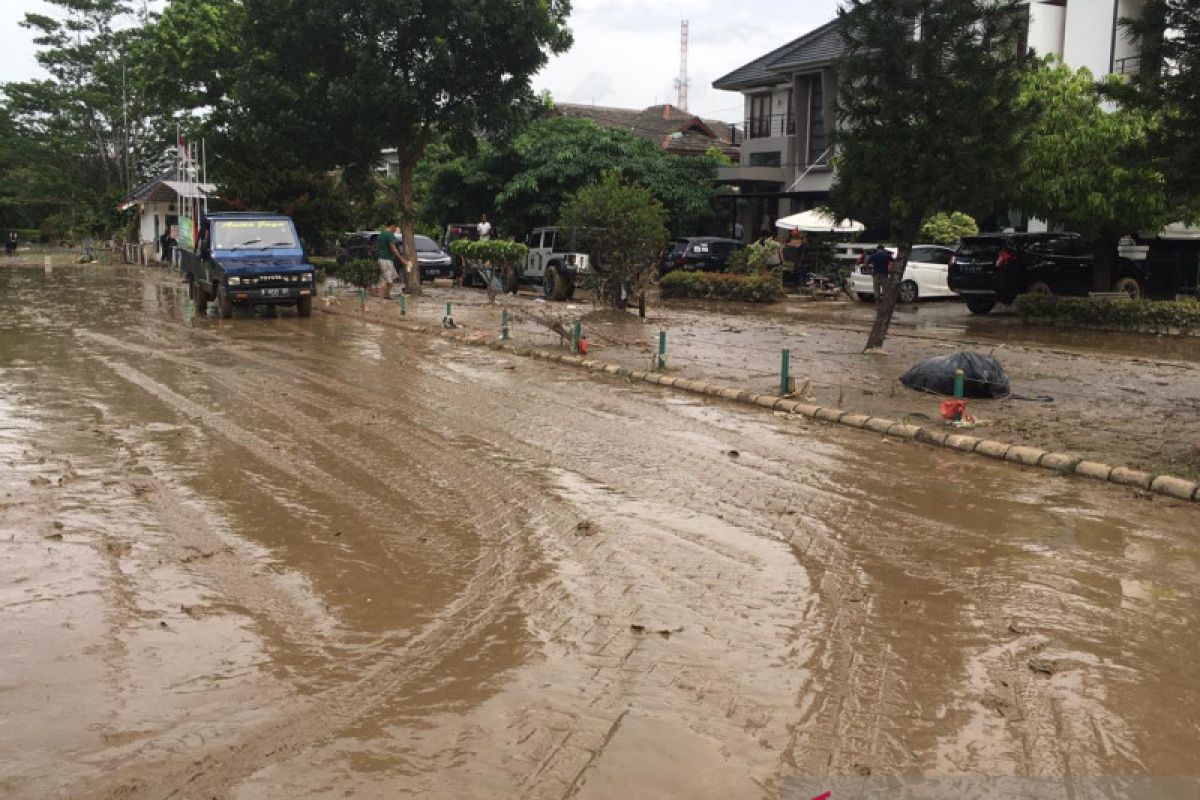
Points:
[(484, 229)]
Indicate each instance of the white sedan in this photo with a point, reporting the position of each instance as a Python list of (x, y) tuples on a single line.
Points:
[(924, 277)]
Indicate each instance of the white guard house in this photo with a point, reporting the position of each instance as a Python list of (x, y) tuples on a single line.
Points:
[(165, 204)]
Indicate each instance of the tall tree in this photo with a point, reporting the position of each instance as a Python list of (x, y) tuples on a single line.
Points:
[(926, 116), (1111, 188), (527, 180), (342, 80), (623, 228), (1167, 85), (81, 122)]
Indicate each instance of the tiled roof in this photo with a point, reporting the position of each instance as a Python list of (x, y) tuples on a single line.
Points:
[(672, 127), (818, 46)]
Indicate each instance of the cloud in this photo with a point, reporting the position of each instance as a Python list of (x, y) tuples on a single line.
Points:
[(596, 87), (628, 51)]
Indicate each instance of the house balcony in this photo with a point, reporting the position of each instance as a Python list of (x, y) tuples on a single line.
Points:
[(770, 126)]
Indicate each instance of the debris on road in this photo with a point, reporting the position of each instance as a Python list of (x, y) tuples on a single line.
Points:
[(983, 376)]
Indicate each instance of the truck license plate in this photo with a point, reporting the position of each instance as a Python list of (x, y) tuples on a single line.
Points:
[(274, 292)]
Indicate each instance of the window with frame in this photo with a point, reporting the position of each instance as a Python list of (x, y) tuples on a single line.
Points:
[(760, 115), (816, 119)]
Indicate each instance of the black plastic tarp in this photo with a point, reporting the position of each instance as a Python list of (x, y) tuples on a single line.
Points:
[(982, 375)]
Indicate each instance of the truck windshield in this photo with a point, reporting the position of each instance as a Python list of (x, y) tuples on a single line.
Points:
[(257, 234)]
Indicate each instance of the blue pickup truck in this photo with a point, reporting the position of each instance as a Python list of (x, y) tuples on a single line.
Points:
[(248, 259)]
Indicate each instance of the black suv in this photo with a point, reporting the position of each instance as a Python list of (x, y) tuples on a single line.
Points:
[(705, 253), (997, 267)]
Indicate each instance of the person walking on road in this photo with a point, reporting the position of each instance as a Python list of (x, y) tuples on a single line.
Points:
[(882, 263), (389, 256), (484, 228)]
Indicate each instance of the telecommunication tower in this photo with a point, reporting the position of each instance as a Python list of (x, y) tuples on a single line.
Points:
[(683, 82)]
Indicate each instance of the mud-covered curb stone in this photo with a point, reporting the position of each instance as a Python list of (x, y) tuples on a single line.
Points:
[(1029, 456), (1176, 487), (1131, 477), (1063, 463)]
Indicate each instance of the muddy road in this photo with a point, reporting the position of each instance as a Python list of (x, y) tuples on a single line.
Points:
[(282, 558)]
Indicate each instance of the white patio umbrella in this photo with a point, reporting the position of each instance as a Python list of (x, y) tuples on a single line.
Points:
[(816, 221)]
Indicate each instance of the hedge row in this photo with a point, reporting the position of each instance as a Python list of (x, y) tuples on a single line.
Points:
[(1178, 316), (722, 286)]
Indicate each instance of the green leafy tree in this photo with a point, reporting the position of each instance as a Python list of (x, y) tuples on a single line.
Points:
[(623, 228), (555, 157), (337, 82), (926, 95), (1167, 88), (946, 229), (79, 126), (1111, 188)]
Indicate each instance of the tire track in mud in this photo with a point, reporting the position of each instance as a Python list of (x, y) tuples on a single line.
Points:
[(861, 726), (860, 720), (495, 572)]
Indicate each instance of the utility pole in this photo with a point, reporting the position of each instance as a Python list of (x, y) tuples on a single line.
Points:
[(683, 82)]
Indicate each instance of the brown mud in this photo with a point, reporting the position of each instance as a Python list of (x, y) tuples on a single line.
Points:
[(271, 557), (1127, 399)]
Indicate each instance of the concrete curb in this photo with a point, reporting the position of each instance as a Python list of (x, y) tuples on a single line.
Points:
[(1061, 463)]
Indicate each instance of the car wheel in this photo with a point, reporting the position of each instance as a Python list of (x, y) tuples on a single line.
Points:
[(1128, 286), (201, 298), (1039, 287), (866, 297), (304, 306), (980, 305), (548, 283), (908, 292), (559, 286)]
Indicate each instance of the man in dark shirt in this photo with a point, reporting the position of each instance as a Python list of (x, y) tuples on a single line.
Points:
[(882, 263)]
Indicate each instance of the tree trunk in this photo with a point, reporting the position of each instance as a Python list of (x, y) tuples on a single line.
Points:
[(886, 306), (412, 271), (1104, 263)]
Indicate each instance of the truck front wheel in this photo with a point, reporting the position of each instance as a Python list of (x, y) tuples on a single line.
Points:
[(557, 286), (224, 304), (201, 297), (304, 306)]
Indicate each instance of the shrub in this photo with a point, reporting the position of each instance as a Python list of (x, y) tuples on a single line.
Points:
[(496, 251), (946, 229), (361, 272), (722, 286), (1182, 316), (739, 261), (764, 256)]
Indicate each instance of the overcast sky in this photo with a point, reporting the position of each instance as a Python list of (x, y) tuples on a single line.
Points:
[(626, 52)]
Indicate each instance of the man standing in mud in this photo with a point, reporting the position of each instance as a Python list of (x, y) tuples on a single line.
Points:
[(388, 255), (882, 263)]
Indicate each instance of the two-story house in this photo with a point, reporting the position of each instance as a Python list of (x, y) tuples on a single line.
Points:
[(790, 107), (790, 100)]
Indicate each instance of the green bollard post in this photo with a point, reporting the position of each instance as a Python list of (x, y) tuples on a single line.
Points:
[(362, 298), (784, 367), (576, 335), (504, 325), (662, 349), (403, 306), (448, 315), (958, 384)]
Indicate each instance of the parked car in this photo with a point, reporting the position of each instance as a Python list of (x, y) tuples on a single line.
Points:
[(924, 277), (555, 261), (433, 261), (700, 253), (995, 268)]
